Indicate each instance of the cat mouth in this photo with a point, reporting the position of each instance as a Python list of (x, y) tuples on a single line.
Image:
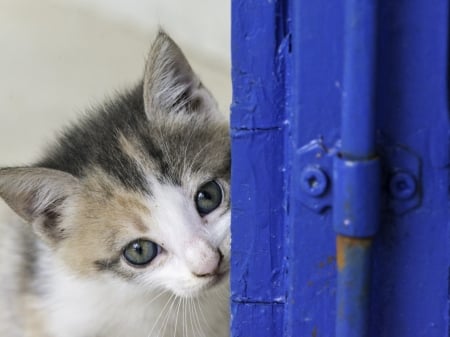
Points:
[(218, 278), (210, 282)]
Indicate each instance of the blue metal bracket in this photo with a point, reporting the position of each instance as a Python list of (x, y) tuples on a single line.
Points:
[(315, 179), (402, 179)]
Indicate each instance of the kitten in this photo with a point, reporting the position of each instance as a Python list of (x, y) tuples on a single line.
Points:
[(123, 227)]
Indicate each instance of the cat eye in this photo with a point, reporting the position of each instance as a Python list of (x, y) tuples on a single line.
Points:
[(208, 197), (141, 252)]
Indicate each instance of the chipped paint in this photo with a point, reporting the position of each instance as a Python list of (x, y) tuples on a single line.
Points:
[(330, 260), (344, 244), (353, 286)]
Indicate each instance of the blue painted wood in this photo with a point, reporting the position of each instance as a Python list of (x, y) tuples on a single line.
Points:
[(410, 285), (257, 74), (257, 263), (317, 42), (259, 196), (288, 61)]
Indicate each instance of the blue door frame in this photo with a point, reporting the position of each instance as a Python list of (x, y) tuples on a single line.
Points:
[(340, 168)]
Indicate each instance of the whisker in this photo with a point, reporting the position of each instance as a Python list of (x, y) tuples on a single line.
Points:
[(160, 315), (203, 315), (189, 311), (185, 330), (167, 318), (221, 295), (176, 318), (192, 317), (158, 296), (199, 325)]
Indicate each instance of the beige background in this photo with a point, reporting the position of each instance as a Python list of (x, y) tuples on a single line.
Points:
[(59, 56)]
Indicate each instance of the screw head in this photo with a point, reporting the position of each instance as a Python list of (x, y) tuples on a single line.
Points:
[(313, 181), (402, 186)]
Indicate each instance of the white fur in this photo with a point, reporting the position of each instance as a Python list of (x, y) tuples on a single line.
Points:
[(164, 299), (190, 241), (114, 308)]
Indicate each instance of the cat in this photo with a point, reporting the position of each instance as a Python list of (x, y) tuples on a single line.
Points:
[(123, 227)]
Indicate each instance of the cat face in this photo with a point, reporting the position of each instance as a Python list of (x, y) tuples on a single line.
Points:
[(139, 191)]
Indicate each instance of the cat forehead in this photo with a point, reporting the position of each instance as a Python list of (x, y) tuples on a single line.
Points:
[(126, 146)]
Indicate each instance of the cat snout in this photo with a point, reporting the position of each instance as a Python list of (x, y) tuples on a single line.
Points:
[(203, 259), (215, 270)]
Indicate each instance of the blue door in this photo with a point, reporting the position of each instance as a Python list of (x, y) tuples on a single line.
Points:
[(340, 168)]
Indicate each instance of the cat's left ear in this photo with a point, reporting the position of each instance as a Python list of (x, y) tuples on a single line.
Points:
[(38, 196), (170, 84)]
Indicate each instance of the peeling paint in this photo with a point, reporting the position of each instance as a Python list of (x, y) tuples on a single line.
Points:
[(344, 243)]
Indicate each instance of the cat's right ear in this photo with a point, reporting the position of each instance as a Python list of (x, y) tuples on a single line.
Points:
[(38, 196), (170, 84)]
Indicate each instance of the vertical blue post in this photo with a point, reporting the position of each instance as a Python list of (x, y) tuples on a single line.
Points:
[(356, 173), (258, 263), (410, 270), (358, 96), (314, 104)]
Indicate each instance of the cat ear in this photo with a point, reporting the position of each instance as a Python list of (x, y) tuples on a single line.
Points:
[(170, 85), (38, 196)]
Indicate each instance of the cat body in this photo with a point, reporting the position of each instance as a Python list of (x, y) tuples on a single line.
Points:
[(122, 229)]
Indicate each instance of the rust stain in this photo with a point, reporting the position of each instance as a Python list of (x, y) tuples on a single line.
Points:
[(328, 261), (343, 243), (314, 332)]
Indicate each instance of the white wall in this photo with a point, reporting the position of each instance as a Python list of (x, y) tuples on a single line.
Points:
[(202, 24), (60, 56)]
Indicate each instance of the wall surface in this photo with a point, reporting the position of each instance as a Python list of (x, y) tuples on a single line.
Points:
[(200, 24), (60, 56)]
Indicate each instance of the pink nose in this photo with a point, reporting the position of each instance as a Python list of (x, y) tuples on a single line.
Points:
[(202, 259)]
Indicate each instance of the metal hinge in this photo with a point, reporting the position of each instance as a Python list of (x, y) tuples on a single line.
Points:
[(400, 177)]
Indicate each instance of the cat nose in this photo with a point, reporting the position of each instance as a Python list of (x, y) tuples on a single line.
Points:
[(203, 260), (215, 270)]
